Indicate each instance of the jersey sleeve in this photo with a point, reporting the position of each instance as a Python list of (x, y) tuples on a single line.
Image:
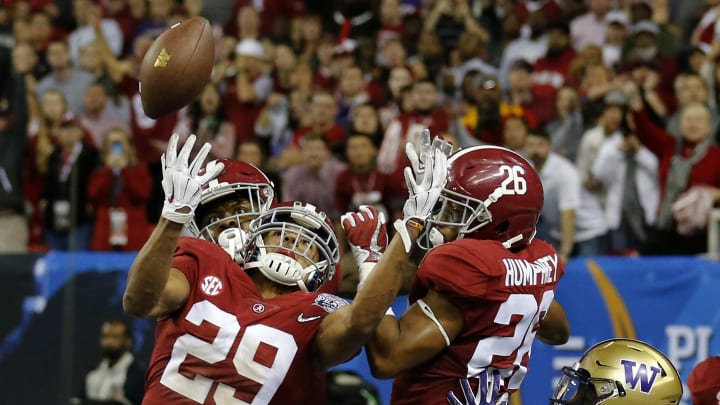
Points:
[(190, 252), (454, 272)]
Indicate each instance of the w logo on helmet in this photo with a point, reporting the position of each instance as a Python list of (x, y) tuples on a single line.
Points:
[(633, 375)]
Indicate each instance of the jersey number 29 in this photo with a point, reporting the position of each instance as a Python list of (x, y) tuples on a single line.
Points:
[(198, 387)]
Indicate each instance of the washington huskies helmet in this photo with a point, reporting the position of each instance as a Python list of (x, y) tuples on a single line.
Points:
[(280, 237), (492, 193), (620, 372), (240, 181)]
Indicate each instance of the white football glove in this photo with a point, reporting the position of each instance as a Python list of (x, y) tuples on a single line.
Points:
[(425, 179), (181, 182), (367, 236), (488, 391)]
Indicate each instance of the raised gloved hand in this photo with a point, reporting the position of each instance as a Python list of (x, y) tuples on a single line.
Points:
[(425, 179), (182, 182), (367, 235), (488, 391)]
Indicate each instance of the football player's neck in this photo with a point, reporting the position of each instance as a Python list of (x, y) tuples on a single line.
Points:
[(269, 288)]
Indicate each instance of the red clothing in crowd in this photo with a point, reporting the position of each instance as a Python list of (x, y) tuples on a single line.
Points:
[(553, 71), (705, 172), (133, 199), (149, 136), (242, 114), (335, 135), (272, 13)]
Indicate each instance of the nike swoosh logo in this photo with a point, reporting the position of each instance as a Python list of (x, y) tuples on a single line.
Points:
[(301, 318)]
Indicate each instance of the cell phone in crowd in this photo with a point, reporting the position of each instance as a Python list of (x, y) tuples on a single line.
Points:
[(117, 148)]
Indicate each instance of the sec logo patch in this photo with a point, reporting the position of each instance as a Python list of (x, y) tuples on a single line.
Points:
[(211, 285)]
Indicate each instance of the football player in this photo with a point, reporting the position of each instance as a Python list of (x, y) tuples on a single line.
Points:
[(228, 203), (484, 290), (617, 372), (263, 335)]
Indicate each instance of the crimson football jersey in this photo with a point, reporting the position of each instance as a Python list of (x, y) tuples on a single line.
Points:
[(503, 296), (228, 345)]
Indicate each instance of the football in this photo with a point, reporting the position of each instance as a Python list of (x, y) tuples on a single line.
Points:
[(176, 67)]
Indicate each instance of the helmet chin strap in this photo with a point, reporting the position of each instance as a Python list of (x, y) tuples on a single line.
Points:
[(232, 241)]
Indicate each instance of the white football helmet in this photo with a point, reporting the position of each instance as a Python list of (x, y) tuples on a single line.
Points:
[(293, 244)]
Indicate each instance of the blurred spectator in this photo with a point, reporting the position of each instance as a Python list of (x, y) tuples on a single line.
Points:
[(528, 48), (71, 81), (119, 193), (685, 162), (247, 91), (643, 54), (574, 223), (535, 100), (272, 17), (97, 119), (487, 98), (313, 181), (253, 152), (567, 128), (13, 147), (119, 378), (611, 122), (656, 12), (323, 110), (364, 118), (128, 15), (92, 62), (68, 214), (310, 40), (361, 183), (591, 27), (155, 22), (42, 133), (471, 51), (284, 64), (399, 78), (627, 172), (351, 89), (390, 13), (704, 382), (408, 125), (247, 22), (596, 82), (430, 57), (553, 68), (88, 15), (205, 117), (224, 59), (515, 131), (691, 88), (449, 19), (617, 32)]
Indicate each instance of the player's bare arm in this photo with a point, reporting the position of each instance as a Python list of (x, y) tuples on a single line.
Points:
[(344, 332), (153, 287), (554, 328), (416, 337)]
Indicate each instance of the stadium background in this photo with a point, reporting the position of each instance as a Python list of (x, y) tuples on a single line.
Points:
[(48, 339)]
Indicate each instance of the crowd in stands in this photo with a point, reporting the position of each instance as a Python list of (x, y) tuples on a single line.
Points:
[(614, 101)]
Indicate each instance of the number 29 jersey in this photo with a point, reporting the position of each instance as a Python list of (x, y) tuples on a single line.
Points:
[(229, 345), (503, 296)]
